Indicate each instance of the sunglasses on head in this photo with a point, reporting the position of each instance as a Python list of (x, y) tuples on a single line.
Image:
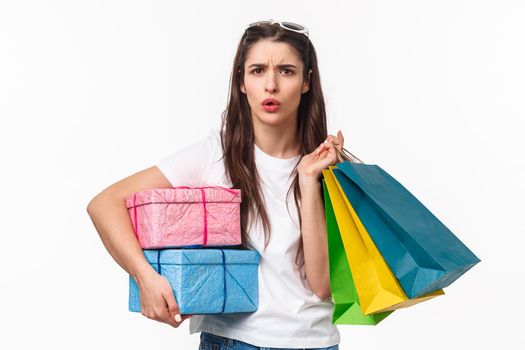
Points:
[(294, 27)]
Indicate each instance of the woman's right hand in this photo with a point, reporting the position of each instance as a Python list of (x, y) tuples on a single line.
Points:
[(157, 301)]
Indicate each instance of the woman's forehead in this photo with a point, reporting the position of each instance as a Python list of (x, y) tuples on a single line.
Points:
[(272, 53)]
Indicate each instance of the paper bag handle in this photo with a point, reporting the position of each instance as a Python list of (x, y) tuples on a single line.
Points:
[(345, 154)]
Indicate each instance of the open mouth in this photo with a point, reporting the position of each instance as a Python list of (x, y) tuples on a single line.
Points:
[(270, 102), (270, 107)]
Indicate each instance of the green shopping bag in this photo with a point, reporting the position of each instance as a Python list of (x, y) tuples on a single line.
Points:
[(347, 309)]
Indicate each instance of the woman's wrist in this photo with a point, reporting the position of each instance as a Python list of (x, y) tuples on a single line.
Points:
[(142, 272), (309, 181)]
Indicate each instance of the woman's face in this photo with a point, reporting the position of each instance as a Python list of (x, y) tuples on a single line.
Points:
[(274, 70)]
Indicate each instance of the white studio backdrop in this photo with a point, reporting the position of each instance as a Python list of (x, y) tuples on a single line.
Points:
[(93, 91)]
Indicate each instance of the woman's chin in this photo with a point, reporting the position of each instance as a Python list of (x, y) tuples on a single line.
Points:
[(273, 118)]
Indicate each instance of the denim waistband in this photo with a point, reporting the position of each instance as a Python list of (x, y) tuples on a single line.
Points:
[(219, 342)]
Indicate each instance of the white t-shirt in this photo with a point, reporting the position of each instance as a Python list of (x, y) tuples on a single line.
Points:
[(289, 315)]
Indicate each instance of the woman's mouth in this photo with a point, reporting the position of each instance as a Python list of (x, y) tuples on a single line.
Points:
[(270, 107)]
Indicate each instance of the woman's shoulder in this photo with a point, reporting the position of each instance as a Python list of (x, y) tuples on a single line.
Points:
[(214, 137), (204, 146), (212, 143)]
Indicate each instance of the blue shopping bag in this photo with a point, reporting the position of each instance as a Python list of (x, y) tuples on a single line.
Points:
[(421, 251)]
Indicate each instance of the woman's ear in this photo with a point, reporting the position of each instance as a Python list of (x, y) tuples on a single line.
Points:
[(306, 85), (242, 88)]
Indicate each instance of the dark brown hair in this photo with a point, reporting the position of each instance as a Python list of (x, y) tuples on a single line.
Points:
[(237, 135)]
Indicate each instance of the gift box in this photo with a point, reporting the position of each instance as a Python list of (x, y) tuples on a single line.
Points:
[(206, 281), (186, 217)]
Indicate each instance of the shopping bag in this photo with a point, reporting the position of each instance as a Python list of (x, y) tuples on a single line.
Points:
[(347, 309), (421, 251), (377, 288)]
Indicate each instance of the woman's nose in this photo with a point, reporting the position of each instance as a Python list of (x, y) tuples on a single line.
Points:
[(271, 83)]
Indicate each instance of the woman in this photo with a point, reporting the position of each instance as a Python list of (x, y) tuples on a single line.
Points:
[(273, 145)]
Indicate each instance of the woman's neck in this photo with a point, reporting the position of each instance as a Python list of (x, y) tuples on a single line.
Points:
[(279, 141)]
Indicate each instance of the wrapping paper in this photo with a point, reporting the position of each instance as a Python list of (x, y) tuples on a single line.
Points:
[(376, 286), (206, 281), (185, 217), (347, 309), (421, 251)]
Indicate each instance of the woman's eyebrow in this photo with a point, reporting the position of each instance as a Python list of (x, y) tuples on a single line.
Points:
[(265, 65)]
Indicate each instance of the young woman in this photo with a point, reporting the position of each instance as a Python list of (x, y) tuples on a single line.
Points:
[(273, 145)]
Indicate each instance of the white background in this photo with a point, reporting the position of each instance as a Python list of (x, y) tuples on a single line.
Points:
[(93, 91)]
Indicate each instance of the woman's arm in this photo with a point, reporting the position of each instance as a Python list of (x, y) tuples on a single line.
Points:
[(313, 217), (113, 224), (314, 236)]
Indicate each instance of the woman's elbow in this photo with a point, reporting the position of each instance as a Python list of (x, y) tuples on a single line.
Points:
[(92, 205), (323, 293)]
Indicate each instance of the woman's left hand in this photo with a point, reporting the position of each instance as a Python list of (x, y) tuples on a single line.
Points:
[(312, 164)]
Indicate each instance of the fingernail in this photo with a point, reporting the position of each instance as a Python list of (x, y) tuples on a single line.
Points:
[(178, 318)]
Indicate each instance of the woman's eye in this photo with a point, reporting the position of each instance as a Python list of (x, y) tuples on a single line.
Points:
[(286, 71)]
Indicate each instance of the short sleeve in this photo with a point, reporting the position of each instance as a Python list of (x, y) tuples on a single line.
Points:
[(190, 165)]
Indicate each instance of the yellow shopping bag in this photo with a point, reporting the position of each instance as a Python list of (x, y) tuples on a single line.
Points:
[(376, 286)]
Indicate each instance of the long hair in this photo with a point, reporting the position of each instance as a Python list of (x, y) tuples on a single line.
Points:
[(237, 136)]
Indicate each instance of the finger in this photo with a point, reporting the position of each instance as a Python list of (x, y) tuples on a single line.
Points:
[(163, 309), (332, 139), (167, 318), (327, 148), (173, 308), (318, 149), (322, 147), (164, 315), (329, 156), (175, 323), (337, 141)]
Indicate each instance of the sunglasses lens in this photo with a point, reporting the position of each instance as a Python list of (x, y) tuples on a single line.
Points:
[(258, 23), (287, 25), (293, 26)]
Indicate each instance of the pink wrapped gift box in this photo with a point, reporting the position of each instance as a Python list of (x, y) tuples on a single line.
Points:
[(185, 217)]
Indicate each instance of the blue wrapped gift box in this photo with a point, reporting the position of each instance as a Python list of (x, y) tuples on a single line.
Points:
[(206, 281)]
